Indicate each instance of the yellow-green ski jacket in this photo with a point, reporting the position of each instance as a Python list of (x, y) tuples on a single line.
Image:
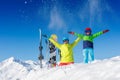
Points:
[(66, 50)]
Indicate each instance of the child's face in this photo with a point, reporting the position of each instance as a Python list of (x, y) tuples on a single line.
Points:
[(66, 42), (88, 33)]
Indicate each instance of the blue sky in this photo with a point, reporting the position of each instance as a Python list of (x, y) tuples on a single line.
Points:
[(21, 19)]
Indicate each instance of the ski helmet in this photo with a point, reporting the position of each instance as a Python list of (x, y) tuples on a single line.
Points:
[(65, 39), (88, 29)]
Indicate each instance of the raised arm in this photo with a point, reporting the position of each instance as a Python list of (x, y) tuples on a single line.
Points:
[(76, 34), (75, 42), (99, 33), (55, 43)]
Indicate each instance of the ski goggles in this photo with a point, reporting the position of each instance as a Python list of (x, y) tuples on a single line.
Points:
[(65, 40), (88, 31)]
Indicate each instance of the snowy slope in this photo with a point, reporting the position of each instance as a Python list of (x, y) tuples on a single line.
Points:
[(14, 69)]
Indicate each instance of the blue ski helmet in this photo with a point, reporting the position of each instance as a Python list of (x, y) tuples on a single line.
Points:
[(65, 39)]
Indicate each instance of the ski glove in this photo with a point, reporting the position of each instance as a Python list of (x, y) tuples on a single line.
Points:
[(104, 31), (70, 32)]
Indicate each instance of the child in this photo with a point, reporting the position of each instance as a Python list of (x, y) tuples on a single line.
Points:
[(66, 50), (88, 37)]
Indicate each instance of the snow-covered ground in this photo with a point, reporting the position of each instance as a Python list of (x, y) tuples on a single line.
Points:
[(15, 69)]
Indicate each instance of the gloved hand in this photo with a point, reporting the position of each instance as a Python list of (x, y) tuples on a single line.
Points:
[(54, 37), (104, 31), (70, 32)]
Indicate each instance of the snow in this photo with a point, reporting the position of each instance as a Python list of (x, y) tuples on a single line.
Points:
[(15, 69)]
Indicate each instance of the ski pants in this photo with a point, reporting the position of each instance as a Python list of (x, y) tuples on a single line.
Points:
[(88, 54)]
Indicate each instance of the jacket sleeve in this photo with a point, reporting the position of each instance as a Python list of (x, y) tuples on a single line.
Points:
[(55, 43), (75, 42), (79, 35), (97, 34)]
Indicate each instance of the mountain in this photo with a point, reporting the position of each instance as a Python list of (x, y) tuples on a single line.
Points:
[(15, 69)]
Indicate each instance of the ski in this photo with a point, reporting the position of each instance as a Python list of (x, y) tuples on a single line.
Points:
[(40, 49)]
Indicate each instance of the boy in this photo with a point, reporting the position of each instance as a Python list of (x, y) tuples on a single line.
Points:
[(66, 50), (87, 38)]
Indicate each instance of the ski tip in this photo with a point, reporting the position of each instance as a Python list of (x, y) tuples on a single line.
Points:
[(39, 29)]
